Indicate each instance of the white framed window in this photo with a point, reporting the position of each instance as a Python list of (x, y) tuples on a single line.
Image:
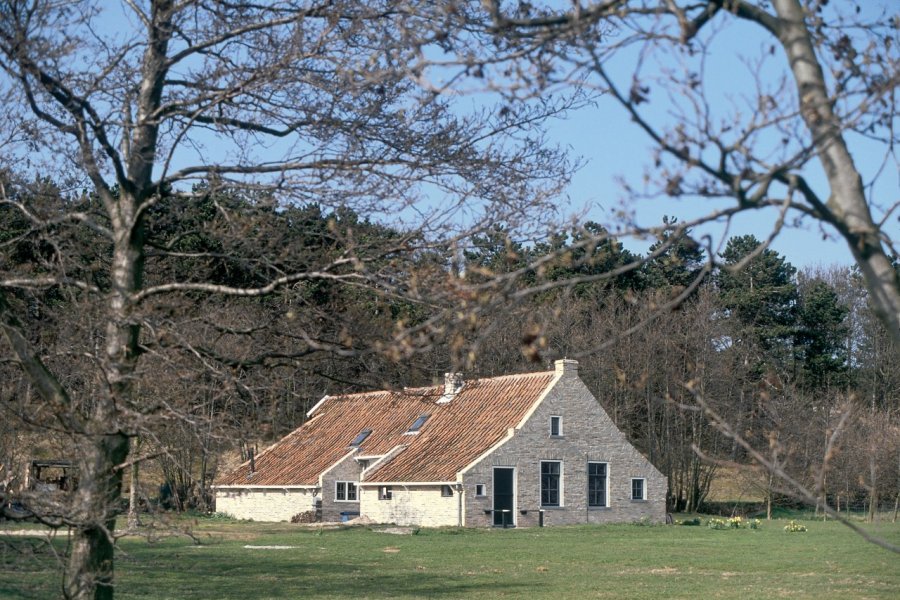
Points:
[(446, 491), (480, 490), (385, 492), (598, 484), (345, 491), (551, 482), (556, 429), (638, 488)]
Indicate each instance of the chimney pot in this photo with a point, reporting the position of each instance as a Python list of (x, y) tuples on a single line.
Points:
[(566, 365), (453, 382)]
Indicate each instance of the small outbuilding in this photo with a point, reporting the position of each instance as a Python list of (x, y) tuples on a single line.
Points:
[(513, 451)]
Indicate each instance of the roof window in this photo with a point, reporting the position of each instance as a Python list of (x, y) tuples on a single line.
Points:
[(361, 437), (417, 424)]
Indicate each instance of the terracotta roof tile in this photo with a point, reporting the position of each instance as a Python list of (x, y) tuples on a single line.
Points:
[(454, 435)]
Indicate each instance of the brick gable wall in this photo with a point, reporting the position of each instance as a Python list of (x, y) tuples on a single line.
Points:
[(588, 435)]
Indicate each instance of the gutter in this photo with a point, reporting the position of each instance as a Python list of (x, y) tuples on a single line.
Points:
[(264, 487), (406, 483)]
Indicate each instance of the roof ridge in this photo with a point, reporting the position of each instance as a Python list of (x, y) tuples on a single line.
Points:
[(421, 390)]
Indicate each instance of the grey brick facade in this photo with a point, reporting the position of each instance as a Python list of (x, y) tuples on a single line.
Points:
[(588, 435), (346, 470)]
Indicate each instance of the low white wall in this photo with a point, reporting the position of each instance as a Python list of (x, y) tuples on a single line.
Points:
[(264, 504), (421, 506)]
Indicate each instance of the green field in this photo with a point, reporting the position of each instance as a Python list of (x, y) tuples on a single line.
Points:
[(616, 561)]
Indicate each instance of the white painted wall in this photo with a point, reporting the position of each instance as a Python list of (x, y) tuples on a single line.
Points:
[(264, 504), (421, 506)]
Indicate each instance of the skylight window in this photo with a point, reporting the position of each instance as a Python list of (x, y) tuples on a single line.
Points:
[(359, 439), (417, 424)]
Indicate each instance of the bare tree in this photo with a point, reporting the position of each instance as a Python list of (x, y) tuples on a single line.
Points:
[(820, 80), (283, 102), (820, 77)]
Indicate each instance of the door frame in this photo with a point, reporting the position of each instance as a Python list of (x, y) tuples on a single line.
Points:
[(515, 493)]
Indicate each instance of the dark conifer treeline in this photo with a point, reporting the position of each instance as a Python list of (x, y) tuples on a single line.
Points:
[(782, 355)]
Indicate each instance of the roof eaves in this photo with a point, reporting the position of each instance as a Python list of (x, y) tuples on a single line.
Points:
[(509, 435), (540, 399), (333, 465), (265, 487), (382, 461), (405, 483)]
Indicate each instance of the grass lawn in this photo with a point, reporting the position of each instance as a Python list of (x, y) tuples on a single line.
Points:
[(615, 561)]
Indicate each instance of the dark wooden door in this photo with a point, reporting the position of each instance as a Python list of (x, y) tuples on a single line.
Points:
[(504, 496)]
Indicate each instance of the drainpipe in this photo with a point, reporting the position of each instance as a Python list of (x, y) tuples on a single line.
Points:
[(459, 508)]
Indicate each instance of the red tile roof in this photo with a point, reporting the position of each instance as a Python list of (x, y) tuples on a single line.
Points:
[(456, 433)]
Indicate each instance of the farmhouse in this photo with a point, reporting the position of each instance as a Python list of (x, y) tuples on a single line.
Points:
[(518, 450)]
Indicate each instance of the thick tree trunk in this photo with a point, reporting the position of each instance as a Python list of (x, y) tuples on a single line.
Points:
[(849, 211), (89, 571)]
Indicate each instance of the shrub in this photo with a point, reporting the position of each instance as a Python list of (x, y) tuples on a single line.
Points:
[(733, 523), (217, 516), (794, 527), (688, 522)]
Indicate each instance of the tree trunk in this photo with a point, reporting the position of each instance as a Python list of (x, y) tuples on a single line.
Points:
[(873, 490), (847, 208), (89, 571), (133, 520)]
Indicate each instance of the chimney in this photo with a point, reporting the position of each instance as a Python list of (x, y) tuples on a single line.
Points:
[(566, 366), (453, 382)]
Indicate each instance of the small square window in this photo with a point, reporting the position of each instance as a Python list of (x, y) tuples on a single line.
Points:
[(446, 491), (479, 490), (638, 489), (385, 492), (556, 426)]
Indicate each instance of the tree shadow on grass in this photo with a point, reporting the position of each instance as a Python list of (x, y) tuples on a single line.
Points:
[(190, 572)]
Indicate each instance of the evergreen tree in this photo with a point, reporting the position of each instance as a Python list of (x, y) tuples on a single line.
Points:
[(820, 347), (761, 296), (679, 262)]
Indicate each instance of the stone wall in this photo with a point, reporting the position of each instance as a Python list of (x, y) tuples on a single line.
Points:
[(421, 506), (267, 504), (588, 434), (346, 470)]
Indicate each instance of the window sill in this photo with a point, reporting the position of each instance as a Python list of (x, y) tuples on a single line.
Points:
[(638, 499), (553, 508), (556, 437), (599, 508), (346, 501)]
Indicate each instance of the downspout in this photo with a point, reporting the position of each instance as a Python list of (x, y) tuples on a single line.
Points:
[(459, 508)]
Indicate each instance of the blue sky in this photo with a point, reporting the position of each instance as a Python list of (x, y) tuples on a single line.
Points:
[(615, 148)]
